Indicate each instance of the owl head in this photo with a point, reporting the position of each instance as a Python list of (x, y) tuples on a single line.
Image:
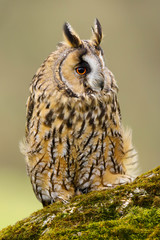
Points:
[(79, 67)]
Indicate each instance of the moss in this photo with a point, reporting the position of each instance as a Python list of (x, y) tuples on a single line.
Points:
[(131, 211)]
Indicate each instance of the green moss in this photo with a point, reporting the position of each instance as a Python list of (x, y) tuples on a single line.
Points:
[(131, 211)]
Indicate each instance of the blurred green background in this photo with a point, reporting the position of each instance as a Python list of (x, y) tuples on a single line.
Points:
[(29, 32)]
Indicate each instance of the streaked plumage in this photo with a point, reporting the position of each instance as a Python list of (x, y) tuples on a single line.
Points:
[(75, 142)]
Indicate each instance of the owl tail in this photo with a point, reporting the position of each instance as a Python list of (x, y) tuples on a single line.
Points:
[(130, 160)]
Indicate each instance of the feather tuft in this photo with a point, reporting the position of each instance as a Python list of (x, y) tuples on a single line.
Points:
[(70, 36)]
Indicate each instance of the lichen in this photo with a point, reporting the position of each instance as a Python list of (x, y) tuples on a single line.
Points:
[(131, 211)]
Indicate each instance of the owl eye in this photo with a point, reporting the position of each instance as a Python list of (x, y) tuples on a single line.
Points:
[(81, 70)]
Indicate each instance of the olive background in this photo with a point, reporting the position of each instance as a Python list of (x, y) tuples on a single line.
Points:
[(29, 32)]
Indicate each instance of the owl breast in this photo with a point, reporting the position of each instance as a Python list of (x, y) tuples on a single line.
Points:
[(74, 139)]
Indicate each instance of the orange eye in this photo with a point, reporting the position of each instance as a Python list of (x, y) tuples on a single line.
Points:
[(81, 70)]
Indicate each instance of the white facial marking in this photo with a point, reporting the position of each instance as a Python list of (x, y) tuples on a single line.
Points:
[(95, 78)]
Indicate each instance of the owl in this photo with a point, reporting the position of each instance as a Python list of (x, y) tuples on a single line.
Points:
[(75, 142)]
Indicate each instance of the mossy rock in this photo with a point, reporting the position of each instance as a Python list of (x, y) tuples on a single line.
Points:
[(130, 211)]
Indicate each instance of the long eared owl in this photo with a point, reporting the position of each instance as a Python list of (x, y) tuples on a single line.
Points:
[(75, 142)]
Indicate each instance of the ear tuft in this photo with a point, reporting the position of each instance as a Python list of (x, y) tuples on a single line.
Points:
[(70, 36), (97, 33)]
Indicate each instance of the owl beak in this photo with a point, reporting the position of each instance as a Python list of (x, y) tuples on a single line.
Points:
[(96, 81), (101, 85), (97, 84), (100, 81)]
